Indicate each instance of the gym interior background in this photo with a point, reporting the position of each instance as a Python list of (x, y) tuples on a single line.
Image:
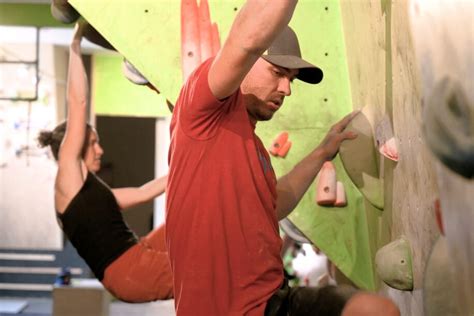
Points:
[(385, 57)]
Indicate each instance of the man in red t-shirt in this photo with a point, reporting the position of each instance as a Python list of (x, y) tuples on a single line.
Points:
[(223, 199)]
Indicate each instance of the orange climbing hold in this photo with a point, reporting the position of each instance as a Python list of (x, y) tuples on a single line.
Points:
[(199, 36), (284, 149), (278, 144), (190, 37), (216, 41), (205, 30)]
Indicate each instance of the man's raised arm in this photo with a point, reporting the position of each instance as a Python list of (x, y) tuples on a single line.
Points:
[(292, 186), (253, 31)]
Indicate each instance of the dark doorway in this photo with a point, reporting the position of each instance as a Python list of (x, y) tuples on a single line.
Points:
[(129, 160)]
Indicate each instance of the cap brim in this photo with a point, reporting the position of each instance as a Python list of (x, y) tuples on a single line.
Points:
[(307, 72)]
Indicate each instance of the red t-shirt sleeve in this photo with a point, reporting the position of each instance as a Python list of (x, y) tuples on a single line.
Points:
[(200, 111)]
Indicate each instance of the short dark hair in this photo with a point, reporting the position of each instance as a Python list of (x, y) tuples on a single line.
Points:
[(54, 138)]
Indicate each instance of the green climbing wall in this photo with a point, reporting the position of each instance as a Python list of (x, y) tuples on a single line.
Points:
[(341, 233), (113, 94), (148, 34)]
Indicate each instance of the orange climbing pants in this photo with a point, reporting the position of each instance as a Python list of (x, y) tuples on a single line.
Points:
[(143, 272)]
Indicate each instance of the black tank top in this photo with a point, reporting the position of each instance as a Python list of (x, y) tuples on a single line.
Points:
[(95, 226)]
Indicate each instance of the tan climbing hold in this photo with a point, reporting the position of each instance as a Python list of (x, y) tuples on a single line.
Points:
[(326, 188), (360, 158), (394, 265), (341, 199)]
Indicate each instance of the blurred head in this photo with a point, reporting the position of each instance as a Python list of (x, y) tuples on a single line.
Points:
[(368, 304), (91, 150)]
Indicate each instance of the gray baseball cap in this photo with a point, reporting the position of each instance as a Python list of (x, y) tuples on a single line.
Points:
[(285, 52)]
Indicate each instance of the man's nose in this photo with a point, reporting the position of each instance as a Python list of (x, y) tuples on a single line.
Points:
[(284, 86), (100, 150)]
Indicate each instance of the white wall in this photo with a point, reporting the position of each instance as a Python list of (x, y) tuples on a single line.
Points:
[(161, 168)]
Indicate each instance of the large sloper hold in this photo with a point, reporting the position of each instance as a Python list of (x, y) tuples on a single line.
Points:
[(439, 282), (393, 264), (449, 127), (360, 159)]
